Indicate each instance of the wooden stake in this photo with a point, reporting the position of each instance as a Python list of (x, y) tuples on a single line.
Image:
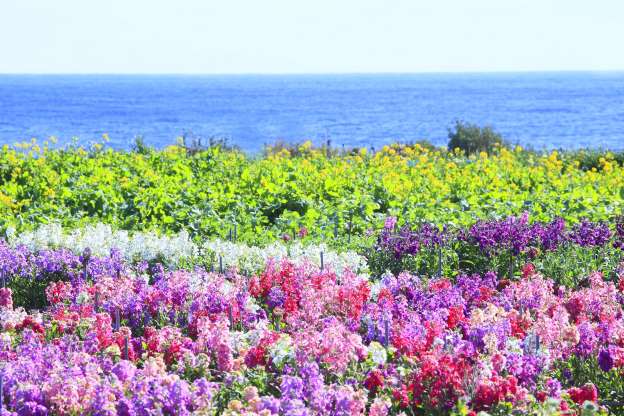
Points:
[(117, 319), (1, 392), (439, 261), (96, 302), (386, 333)]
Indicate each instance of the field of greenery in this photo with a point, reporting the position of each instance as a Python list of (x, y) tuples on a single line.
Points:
[(411, 280), (325, 191)]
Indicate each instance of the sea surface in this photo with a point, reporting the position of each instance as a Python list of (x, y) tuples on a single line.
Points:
[(541, 110)]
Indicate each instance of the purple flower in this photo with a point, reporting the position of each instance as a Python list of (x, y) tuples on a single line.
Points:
[(390, 223), (619, 233), (291, 387), (551, 235), (276, 297), (526, 368), (590, 234), (272, 404), (410, 241), (587, 340), (605, 361), (124, 370), (492, 237), (553, 387), (125, 407)]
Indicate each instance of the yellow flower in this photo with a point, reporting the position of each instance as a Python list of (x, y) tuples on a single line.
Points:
[(553, 156), (305, 146), (6, 201)]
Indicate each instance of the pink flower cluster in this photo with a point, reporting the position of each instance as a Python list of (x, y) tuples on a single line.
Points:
[(297, 340)]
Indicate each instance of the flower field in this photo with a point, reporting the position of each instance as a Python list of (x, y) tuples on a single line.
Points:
[(409, 281), (333, 195)]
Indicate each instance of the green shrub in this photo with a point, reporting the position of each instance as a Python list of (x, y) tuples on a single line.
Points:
[(595, 159), (472, 139)]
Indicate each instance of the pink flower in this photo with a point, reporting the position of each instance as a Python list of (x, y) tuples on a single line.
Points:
[(58, 292), (586, 393), (390, 223), (379, 407), (374, 381), (215, 337), (6, 298)]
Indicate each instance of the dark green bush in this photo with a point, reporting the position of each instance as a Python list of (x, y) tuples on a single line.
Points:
[(471, 138), (140, 146), (589, 159)]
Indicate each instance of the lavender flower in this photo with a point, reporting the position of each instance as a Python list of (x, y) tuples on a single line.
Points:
[(605, 361), (590, 234)]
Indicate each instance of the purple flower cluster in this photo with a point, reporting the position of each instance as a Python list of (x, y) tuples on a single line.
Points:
[(20, 262), (410, 241), (513, 235), (39, 371), (550, 235), (590, 234)]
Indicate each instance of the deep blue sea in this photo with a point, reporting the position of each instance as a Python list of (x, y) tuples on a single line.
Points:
[(542, 110)]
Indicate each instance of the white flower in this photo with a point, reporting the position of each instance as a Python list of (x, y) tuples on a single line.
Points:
[(83, 297), (9, 318), (5, 338), (282, 350), (514, 346), (375, 288), (148, 246), (250, 260), (377, 353), (101, 238)]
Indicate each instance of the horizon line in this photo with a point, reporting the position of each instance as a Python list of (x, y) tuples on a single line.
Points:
[(452, 72)]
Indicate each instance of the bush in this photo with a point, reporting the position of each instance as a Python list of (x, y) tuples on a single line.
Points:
[(471, 138), (140, 146), (595, 159)]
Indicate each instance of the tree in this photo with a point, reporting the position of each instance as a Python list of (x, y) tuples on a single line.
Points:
[(473, 139)]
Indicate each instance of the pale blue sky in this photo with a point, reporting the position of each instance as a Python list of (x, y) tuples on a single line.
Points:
[(290, 36)]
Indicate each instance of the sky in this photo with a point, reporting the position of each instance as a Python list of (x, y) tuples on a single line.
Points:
[(313, 36)]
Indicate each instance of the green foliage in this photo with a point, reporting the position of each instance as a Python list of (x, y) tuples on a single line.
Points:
[(472, 139), (596, 160), (338, 199), (568, 265), (576, 371), (139, 146)]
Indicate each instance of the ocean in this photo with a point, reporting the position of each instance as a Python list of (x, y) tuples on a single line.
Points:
[(542, 110)]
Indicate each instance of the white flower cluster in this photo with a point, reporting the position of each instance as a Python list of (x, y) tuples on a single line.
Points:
[(10, 318), (101, 238), (250, 259)]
